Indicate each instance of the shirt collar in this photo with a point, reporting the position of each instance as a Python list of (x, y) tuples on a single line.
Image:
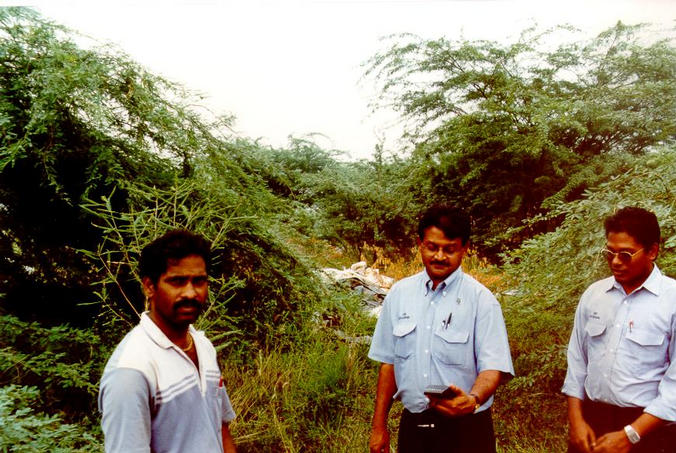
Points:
[(155, 333), (447, 283), (652, 283)]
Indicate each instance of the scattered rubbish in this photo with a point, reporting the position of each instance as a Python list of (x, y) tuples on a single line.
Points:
[(363, 280)]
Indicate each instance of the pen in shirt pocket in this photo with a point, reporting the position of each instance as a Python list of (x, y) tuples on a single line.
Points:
[(448, 321)]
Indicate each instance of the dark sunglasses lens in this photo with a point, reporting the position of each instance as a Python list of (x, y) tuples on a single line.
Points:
[(624, 257)]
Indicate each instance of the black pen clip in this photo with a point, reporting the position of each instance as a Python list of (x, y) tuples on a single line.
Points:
[(448, 321)]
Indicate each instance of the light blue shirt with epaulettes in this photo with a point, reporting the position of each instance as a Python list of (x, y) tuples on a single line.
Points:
[(440, 337), (623, 346)]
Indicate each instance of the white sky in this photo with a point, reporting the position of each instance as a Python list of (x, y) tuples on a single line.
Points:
[(292, 67)]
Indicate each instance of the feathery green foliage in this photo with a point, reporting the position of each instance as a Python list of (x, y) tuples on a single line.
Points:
[(503, 128), (75, 124)]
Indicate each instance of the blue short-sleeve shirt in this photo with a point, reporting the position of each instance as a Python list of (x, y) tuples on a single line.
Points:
[(440, 337)]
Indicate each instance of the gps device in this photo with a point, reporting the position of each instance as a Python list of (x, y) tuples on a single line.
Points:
[(440, 391)]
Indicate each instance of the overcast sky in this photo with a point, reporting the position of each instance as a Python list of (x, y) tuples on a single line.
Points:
[(289, 67)]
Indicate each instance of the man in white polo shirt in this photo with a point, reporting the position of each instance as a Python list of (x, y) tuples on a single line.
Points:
[(161, 390)]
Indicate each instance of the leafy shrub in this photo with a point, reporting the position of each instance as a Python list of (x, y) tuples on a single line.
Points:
[(24, 431), (63, 362), (256, 283), (505, 128)]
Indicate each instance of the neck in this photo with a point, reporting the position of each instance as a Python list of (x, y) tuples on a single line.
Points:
[(630, 287), (176, 334)]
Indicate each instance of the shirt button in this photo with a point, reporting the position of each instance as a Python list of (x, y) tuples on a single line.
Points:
[(429, 327), (424, 375), (444, 293), (426, 351), (617, 325)]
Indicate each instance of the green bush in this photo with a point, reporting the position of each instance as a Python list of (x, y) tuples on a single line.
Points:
[(25, 431), (63, 362)]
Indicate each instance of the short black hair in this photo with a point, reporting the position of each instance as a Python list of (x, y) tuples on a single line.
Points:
[(172, 245), (454, 222), (638, 223)]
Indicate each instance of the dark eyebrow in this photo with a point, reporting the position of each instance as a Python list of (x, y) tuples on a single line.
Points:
[(622, 249)]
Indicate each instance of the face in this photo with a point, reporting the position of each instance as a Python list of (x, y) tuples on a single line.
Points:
[(179, 295), (440, 255), (630, 272)]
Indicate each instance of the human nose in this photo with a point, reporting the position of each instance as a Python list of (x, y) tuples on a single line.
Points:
[(189, 291), (439, 254), (616, 259)]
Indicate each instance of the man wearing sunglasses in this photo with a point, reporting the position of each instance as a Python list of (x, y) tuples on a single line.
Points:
[(442, 344), (621, 379)]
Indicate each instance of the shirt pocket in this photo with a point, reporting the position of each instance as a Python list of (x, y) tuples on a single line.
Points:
[(450, 346), (404, 340), (646, 350), (594, 329), (595, 337)]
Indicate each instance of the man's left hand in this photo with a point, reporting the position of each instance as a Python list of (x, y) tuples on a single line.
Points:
[(614, 442), (461, 404)]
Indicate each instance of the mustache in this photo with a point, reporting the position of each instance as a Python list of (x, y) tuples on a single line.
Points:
[(189, 303)]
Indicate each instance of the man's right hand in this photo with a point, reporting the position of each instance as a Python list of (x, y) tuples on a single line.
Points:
[(582, 436), (379, 441)]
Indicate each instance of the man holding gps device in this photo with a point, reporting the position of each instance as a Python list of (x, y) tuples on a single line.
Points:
[(443, 348)]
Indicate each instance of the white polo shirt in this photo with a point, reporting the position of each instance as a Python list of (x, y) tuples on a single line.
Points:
[(153, 397)]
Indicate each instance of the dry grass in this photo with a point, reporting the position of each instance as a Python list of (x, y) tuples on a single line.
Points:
[(410, 263)]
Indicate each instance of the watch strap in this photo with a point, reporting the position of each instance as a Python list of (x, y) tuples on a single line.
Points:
[(477, 402)]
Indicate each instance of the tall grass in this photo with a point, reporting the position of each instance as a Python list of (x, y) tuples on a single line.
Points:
[(314, 393)]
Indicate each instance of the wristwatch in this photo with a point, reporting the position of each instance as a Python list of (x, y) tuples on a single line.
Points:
[(477, 404), (633, 436)]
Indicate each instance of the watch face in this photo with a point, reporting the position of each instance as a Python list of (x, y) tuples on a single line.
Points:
[(633, 436)]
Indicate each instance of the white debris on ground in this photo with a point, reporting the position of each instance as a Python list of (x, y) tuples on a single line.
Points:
[(364, 280)]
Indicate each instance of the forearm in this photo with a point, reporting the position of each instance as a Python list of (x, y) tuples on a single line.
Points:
[(619, 441), (646, 423), (574, 410), (228, 442), (386, 389), (485, 384)]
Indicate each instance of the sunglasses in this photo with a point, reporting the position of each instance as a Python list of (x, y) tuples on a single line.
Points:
[(623, 256)]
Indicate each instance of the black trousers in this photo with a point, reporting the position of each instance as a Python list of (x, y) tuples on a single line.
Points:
[(605, 418), (431, 432)]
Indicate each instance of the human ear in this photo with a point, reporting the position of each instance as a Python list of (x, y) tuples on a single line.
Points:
[(148, 287)]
